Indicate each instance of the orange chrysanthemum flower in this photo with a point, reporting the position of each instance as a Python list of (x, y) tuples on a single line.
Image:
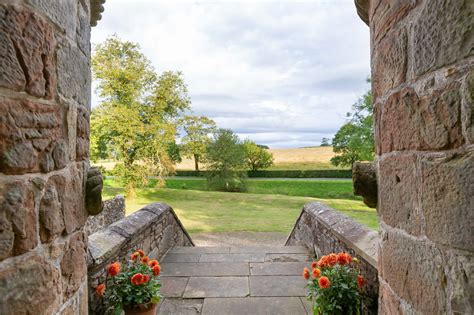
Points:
[(360, 281), (348, 258), (146, 278), (314, 264), (332, 259), (342, 259), (113, 269), (306, 273), (135, 256), (156, 270), (316, 272), (145, 260), (141, 252), (137, 279), (100, 290), (152, 263), (324, 282)]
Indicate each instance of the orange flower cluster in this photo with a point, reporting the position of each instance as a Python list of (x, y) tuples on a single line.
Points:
[(100, 290), (324, 282), (156, 270), (306, 273), (139, 278), (332, 259), (113, 269), (153, 263), (360, 281)]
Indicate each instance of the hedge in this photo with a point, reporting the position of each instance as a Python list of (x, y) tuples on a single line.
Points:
[(282, 173)]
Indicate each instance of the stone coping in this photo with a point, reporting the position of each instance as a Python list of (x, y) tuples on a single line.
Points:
[(353, 234), (109, 241)]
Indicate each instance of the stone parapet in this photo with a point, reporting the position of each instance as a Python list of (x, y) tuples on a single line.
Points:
[(324, 230), (155, 229), (113, 211)]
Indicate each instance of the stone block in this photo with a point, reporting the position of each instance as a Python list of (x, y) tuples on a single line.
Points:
[(74, 210), (415, 271), (385, 14), (269, 250), (182, 307), (62, 13), (431, 122), (74, 77), (286, 257), (27, 136), (448, 199), (83, 28), (442, 34), (400, 192), (171, 258), (467, 112), (173, 286), (389, 62), (28, 45), (30, 286), (253, 305), (17, 209), (255, 257), (277, 286), (104, 245), (208, 287), (50, 211), (198, 250), (205, 269), (460, 271), (277, 268), (134, 224), (73, 264)]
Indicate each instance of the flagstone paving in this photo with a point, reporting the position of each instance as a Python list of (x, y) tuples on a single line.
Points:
[(234, 280)]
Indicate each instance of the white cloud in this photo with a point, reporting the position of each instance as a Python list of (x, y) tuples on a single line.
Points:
[(282, 73)]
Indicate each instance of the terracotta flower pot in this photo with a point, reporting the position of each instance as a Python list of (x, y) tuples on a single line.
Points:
[(141, 310)]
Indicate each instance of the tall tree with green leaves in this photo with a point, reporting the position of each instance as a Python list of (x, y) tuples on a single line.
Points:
[(136, 119), (257, 157), (196, 138), (226, 161), (354, 141)]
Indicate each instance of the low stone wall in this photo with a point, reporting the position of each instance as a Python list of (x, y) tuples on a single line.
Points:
[(114, 210), (324, 230), (154, 228)]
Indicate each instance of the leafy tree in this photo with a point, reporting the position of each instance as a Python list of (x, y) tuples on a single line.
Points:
[(257, 157), (226, 160), (194, 143), (355, 139), (325, 142), (136, 119)]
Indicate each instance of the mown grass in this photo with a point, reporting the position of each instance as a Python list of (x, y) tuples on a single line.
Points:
[(268, 206)]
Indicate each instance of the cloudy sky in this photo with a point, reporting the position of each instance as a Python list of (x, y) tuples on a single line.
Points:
[(282, 73)]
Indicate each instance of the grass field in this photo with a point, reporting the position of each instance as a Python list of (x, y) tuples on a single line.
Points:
[(269, 206), (313, 158)]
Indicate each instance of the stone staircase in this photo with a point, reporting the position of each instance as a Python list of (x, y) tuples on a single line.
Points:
[(235, 280)]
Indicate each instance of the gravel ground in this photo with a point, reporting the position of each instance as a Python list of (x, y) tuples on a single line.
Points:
[(240, 239)]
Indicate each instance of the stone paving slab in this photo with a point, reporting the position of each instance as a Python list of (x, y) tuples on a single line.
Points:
[(173, 286), (205, 287), (253, 306), (180, 306), (255, 257), (198, 250), (204, 269), (277, 286), (287, 257), (308, 305), (277, 268), (269, 249), (190, 257)]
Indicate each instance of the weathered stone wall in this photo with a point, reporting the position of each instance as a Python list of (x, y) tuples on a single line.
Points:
[(44, 133), (154, 229), (324, 230), (422, 55), (113, 211)]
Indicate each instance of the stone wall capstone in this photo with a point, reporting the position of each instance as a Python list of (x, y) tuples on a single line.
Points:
[(113, 211), (154, 229), (44, 134), (324, 230), (422, 57)]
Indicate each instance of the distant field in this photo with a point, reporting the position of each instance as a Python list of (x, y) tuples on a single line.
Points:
[(314, 158)]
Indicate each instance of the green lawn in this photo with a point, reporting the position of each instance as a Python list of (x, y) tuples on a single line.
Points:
[(269, 206)]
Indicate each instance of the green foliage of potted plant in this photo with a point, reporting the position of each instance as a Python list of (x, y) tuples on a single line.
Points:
[(133, 286), (335, 285)]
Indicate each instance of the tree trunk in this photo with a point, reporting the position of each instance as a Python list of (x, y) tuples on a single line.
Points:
[(196, 162)]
